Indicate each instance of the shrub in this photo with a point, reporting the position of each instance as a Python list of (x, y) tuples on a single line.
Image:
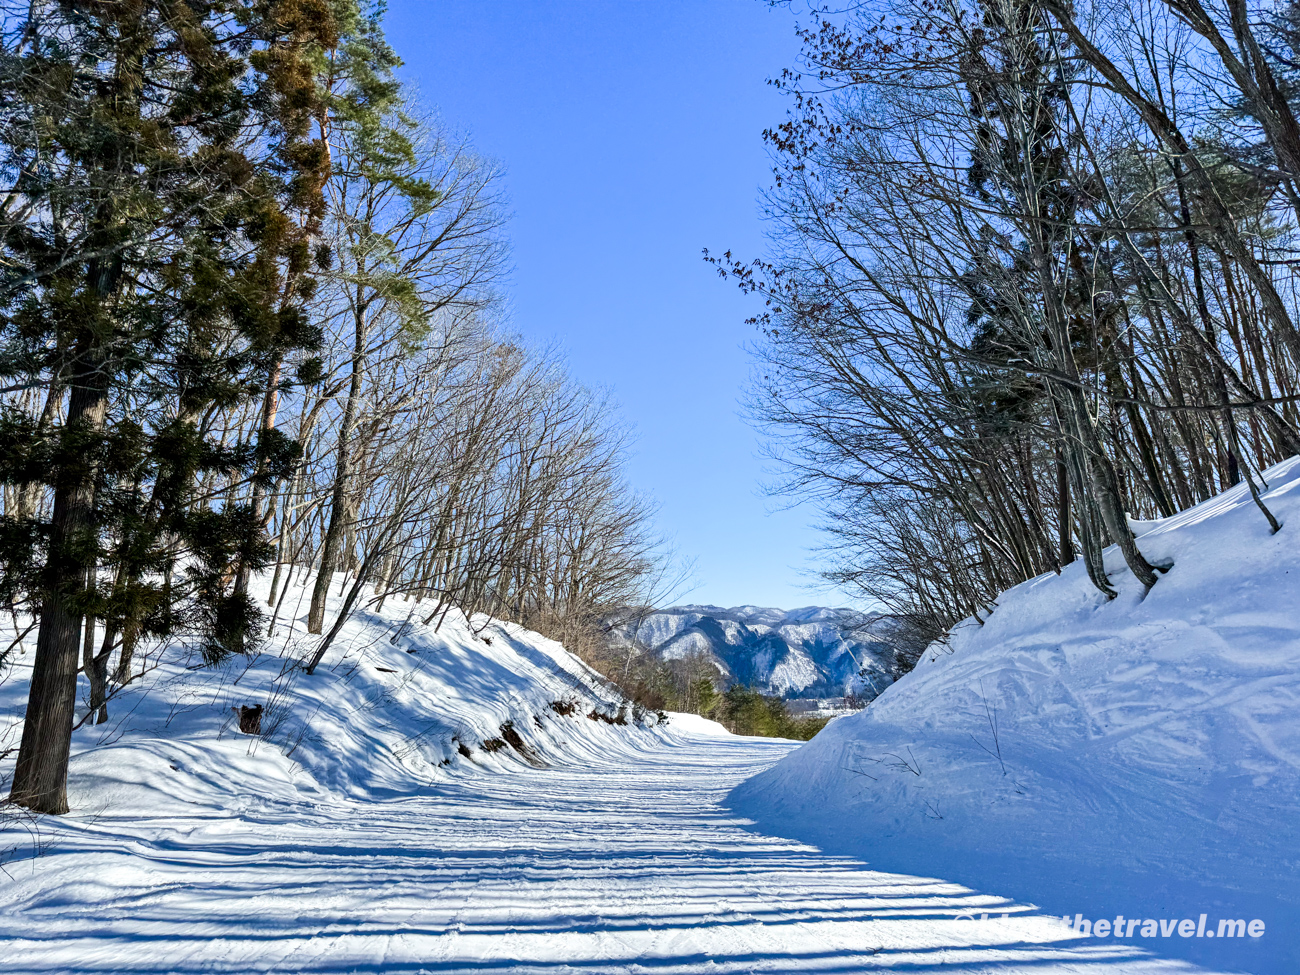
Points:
[(564, 707), (744, 711), (515, 740)]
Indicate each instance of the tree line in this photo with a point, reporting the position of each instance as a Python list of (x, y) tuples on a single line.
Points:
[(1032, 275), (250, 336)]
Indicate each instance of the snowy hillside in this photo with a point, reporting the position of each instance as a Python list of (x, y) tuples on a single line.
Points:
[(809, 652), (395, 706), (1136, 757)]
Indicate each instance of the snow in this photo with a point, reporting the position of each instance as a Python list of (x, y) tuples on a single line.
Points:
[(1139, 756), (622, 866), (796, 653), (695, 724), (685, 645), (795, 671), (357, 837), (394, 702), (659, 628)]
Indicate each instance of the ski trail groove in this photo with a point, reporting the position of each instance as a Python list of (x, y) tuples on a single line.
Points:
[(622, 868)]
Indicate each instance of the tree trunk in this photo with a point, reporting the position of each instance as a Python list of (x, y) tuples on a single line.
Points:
[(338, 500), (1065, 548), (270, 404), (363, 573), (130, 633), (95, 667), (41, 774), (29, 495)]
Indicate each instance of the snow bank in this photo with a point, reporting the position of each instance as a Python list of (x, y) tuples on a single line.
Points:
[(396, 706), (696, 724), (1138, 756)]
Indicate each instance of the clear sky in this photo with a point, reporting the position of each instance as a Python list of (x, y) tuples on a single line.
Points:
[(630, 131)]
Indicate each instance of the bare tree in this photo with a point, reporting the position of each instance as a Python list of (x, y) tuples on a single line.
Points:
[(1025, 281)]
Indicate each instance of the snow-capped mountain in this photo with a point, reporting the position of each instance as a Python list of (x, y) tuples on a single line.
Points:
[(810, 652)]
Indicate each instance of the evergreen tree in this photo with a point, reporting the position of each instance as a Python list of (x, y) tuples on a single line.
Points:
[(142, 236), (350, 93)]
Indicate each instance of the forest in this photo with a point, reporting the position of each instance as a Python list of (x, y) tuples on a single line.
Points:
[(251, 321), (1032, 283), (1030, 286)]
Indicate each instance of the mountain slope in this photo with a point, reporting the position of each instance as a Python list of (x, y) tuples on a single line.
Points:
[(1137, 756), (809, 652)]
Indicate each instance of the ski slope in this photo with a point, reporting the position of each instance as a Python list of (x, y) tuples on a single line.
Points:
[(628, 865)]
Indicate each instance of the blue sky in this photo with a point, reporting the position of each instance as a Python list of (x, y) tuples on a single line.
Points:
[(631, 137)]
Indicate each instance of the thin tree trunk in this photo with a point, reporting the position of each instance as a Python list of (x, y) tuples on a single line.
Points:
[(338, 499), (1065, 541), (29, 494)]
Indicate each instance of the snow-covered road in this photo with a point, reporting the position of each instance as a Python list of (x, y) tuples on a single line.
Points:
[(631, 867)]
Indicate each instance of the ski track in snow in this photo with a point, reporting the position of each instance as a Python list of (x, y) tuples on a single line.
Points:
[(628, 866)]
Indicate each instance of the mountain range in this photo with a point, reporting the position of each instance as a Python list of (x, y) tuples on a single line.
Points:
[(811, 652)]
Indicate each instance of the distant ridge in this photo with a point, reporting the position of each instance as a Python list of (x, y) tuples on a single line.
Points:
[(813, 651)]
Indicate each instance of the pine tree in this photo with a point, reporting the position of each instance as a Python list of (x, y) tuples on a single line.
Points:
[(350, 86), (141, 240)]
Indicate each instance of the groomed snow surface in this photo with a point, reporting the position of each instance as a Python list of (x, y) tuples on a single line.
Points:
[(1148, 767)]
